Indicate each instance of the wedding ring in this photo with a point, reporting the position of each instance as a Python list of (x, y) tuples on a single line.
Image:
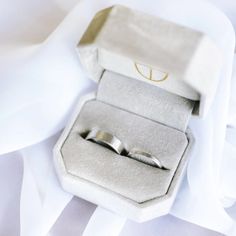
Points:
[(106, 139), (147, 158), (112, 142)]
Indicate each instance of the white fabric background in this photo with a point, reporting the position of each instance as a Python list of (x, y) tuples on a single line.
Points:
[(38, 88)]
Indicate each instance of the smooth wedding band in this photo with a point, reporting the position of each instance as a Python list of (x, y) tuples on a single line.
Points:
[(147, 158), (112, 142), (106, 139)]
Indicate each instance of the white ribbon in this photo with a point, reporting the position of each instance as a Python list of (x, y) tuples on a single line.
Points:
[(42, 198), (104, 223)]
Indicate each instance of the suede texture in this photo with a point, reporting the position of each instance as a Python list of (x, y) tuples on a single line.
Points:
[(125, 176), (145, 100)]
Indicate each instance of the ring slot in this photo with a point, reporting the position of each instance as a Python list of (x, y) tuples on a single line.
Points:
[(113, 143)]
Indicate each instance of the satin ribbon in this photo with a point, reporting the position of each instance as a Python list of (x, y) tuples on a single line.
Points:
[(42, 198)]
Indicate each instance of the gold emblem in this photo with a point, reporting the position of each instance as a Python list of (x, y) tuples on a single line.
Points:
[(147, 73)]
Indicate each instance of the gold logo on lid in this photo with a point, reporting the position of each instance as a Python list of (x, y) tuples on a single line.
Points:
[(147, 73)]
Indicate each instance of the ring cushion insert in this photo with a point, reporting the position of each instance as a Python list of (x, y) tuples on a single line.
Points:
[(130, 110)]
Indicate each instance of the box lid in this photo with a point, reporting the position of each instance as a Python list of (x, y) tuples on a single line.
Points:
[(178, 59)]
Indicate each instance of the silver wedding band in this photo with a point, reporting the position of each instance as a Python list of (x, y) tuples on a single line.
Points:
[(106, 139), (112, 142), (146, 158)]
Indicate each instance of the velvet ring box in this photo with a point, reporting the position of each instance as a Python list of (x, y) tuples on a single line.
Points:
[(152, 76)]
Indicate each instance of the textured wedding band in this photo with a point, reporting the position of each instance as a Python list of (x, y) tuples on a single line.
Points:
[(106, 139), (147, 158)]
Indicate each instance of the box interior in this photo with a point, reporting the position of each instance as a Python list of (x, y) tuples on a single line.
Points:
[(143, 116)]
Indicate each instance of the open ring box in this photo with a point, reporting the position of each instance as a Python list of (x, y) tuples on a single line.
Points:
[(153, 75)]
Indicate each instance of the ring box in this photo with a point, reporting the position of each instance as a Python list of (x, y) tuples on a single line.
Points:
[(152, 76)]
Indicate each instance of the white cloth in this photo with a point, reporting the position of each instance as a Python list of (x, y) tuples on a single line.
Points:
[(41, 79)]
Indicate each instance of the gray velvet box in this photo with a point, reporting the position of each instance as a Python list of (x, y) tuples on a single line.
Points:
[(153, 75)]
